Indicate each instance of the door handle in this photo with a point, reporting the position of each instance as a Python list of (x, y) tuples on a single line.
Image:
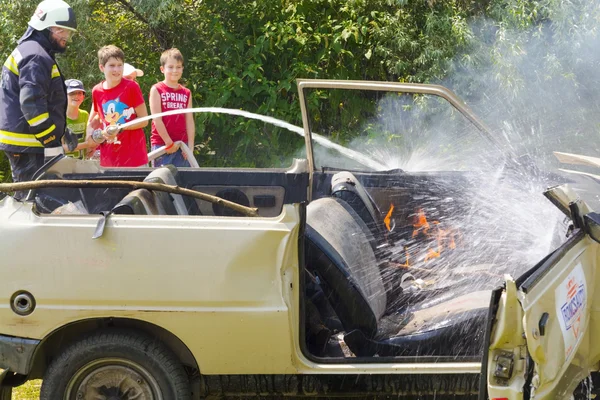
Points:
[(543, 322)]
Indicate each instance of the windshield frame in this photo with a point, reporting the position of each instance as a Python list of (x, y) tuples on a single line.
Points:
[(412, 88)]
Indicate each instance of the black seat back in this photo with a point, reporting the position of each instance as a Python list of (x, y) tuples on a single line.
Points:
[(345, 186), (139, 202), (172, 203), (339, 253)]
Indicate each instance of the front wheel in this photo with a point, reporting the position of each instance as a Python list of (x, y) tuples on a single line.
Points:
[(116, 365)]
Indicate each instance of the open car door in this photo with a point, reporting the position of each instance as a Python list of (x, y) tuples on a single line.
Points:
[(543, 327)]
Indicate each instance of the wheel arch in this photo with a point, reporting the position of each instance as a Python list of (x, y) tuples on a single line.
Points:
[(52, 344)]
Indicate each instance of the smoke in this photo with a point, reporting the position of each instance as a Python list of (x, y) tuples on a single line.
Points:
[(538, 90), (539, 93)]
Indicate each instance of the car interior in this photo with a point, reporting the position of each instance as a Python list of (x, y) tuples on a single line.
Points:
[(267, 190), (355, 303)]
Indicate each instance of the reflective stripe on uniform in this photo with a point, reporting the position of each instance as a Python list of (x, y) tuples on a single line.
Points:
[(19, 139), (17, 56), (39, 119), (55, 73), (46, 132), (12, 62)]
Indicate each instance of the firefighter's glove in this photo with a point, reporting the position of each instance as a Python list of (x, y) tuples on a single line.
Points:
[(70, 140)]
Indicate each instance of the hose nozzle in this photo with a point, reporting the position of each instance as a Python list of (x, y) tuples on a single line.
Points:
[(98, 136), (113, 130)]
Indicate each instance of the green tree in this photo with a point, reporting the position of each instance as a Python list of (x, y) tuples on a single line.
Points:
[(248, 55)]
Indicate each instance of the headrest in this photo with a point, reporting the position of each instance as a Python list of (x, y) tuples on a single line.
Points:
[(168, 175), (138, 202), (345, 186)]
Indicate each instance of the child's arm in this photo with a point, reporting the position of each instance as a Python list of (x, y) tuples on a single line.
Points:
[(93, 123), (155, 108), (88, 144), (190, 126), (140, 111)]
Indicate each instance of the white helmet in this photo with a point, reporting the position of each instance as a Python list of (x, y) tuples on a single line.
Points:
[(53, 13)]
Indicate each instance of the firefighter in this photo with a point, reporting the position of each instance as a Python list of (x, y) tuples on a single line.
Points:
[(33, 98)]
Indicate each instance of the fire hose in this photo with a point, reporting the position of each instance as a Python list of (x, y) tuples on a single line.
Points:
[(113, 131), (187, 152)]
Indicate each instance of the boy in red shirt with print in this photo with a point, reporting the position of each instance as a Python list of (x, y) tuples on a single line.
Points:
[(171, 95), (116, 101)]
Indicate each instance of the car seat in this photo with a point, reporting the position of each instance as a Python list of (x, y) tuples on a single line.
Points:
[(139, 202), (339, 254), (172, 203)]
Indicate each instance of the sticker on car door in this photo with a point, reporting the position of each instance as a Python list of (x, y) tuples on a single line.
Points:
[(571, 300)]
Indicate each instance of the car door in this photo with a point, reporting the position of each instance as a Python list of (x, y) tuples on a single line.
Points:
[(543, 326)]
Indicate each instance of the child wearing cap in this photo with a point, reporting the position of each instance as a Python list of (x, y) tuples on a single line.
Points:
[(76, 117)]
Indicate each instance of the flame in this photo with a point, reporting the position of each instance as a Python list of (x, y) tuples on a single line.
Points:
[(388, 218), (431, 254), (406, 257), (441, 239), (421, 225)]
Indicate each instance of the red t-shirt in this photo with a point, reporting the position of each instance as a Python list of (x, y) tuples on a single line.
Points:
[(172, 99), (117, 105)]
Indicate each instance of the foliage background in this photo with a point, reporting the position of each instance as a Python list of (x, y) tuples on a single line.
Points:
[(528, 66)]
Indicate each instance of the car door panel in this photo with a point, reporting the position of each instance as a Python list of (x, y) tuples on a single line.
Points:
[(557, 319), (194, 276), (550, 344)]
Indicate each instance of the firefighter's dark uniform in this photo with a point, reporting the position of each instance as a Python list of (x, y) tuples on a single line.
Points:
[(33, 104)]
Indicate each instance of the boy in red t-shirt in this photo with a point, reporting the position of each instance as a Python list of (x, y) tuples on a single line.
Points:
[(166, 96), (116, 101)]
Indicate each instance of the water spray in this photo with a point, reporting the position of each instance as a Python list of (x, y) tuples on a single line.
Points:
[(113, 131)]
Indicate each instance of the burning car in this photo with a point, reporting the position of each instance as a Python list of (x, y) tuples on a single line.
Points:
[(368, 270)]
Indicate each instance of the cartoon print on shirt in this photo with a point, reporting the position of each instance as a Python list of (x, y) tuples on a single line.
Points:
[(116, 112)]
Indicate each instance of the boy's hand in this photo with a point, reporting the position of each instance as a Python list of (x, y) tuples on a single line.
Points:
[(113, 130), (96, 123), (87, 145), (109, 138), (171, 147), (184, 154), (110, 133), (90, 144)]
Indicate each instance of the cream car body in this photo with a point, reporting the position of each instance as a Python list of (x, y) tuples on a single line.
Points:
[(225, 294)]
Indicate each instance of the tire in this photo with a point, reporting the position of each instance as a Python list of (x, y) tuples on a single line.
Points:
[(116, 364)]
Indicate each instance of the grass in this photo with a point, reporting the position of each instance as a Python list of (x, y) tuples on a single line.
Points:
[(28, 391)]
